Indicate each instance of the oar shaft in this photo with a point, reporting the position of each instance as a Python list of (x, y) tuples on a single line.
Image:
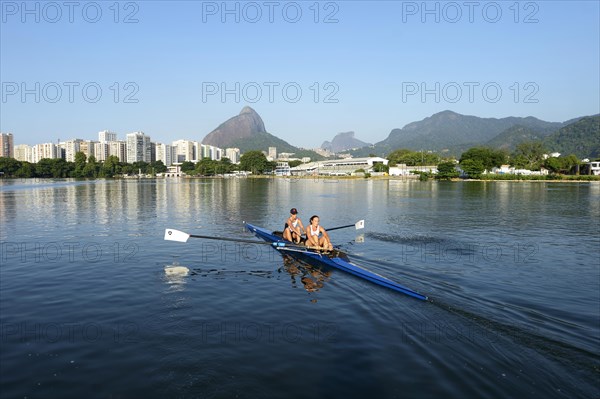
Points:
[(273, 244), (229, 239), (340, 227)]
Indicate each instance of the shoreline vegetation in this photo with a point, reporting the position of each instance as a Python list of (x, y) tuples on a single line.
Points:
[(485, 178), (530, 161)]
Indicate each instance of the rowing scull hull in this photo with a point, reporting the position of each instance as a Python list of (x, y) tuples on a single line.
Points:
[(335, 262)]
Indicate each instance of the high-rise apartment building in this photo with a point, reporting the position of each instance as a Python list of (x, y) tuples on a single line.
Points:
[(106, 136), (44, 151), (71, 147), (7, 145), (118, 149), (165, 153), (184, 150), (138, 147), (23, 153)]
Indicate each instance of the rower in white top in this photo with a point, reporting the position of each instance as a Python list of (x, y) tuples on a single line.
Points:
[(293, 227), (316, 236)]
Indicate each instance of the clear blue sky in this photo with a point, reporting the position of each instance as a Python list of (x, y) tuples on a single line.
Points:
[(373, 58)]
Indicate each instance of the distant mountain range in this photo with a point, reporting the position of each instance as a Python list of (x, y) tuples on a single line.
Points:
[(446, 132), (342, 142), (451, 133)]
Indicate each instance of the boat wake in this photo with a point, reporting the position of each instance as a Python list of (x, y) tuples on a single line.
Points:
[(567, 354), (440, 291), (414, 240)]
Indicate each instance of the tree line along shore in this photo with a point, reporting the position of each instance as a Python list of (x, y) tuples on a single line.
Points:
[(475, 163)]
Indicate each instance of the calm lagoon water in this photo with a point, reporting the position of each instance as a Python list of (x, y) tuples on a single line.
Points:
[(511, 268)]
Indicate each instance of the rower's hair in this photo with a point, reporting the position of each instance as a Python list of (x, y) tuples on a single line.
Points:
[(312, 217)]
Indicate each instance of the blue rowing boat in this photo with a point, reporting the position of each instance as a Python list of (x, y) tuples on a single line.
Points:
[(335, 259)]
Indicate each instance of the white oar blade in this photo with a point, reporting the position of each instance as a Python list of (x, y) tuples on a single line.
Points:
[(176, 235), (360, 225)]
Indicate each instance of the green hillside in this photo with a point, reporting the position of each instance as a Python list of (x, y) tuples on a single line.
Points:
[(581, 138)]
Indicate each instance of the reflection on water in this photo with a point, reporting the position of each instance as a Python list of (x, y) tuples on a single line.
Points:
[(311, 277)]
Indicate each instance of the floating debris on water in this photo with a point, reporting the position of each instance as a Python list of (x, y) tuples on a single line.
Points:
[(176, 270)]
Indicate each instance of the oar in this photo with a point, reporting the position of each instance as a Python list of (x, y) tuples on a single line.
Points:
[(180, 236), (359, 225)]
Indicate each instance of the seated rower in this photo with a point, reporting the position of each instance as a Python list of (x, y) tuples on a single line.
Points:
[(293, 227), (316, 236)]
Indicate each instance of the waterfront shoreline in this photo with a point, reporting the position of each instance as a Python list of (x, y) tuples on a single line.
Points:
[(581, 179)]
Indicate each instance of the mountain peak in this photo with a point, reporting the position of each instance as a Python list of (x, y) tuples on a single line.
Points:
[(247, 110), (342, 142), (244, 125)]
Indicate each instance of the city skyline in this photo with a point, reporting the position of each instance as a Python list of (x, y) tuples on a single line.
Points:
[(311, 70), (136, 147)]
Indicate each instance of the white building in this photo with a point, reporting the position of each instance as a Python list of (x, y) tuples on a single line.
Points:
[(23, 152), (165, 153), (283, 169), (272, 153), (138, 147), (402, 170), (511, 170), (88, 147), (338, 167), (217, 154), (233, 154), (594, 168), (105, 136), (285, 156), (44, 151), (184, 151), (71, 147), (118, 149), (211, 152), (101, 151)]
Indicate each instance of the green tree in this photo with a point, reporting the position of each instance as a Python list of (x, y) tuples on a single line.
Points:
[(206, 167), (380, 167), (91, 170), (9, 166), (472, 167), (188, 167), (110, 167), (561, 164), (26, 170), (127, 169), (62, 168), (295, 163), (140, 166), (80, 162), (256, 162), (413, 158), (44, 168), (488, 157), (158, 166), (528, 155), (224, 166), (447, 170)]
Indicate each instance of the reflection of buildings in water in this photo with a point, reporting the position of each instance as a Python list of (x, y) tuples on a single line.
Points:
[(311, 277), (140, 199), (593, 202), (8, 213)]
